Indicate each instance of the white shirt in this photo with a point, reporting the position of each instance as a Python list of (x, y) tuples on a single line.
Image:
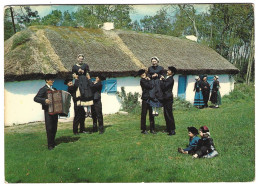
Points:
[(49, 86)]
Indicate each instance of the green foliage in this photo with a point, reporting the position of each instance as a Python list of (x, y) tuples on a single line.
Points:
[(129, 101), (8, 25), (123, 154), (93, 16), (241, 92), (181, 104), (54, 18), (20, 39), (160, 23)]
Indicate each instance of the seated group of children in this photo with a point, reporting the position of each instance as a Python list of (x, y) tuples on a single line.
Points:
[(200, 147)]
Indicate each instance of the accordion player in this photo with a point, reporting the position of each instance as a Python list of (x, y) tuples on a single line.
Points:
[(60, 102)]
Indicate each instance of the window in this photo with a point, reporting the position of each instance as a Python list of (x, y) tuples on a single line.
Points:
[(109, 86)]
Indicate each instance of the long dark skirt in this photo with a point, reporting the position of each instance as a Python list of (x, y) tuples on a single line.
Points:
[(155, 94), (198, 99), (85, 90), (215, 97)]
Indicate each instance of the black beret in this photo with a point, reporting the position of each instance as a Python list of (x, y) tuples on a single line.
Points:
[(173, 69), (193, 130), (140, 72), (49, 76), (67, 80), (101, 77)]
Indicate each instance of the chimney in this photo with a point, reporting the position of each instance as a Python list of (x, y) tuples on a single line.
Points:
[(108, 26)]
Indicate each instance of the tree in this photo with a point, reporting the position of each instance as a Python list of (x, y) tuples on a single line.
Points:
[(54, 18), (190, 12), (121, 16), (159, 23), (10, 27), (67, 19)]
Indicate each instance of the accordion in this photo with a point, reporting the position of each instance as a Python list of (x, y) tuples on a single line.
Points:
[(60, 102)]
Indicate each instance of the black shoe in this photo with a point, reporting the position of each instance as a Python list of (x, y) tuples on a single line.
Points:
[(50, 147), (172, 133), (144, 132), (153, 132)]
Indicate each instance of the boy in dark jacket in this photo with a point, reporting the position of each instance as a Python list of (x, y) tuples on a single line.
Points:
[(51, 121), (79, 112), (167, 86), (146, 87), (205, 147), (96, 109)]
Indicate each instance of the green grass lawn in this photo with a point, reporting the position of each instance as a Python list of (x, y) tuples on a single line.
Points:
[(123, 154)]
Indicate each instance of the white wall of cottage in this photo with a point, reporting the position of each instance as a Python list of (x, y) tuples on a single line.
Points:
[(20, 108)]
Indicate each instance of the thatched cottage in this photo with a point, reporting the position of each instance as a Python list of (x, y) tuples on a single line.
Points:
[(117, 54)]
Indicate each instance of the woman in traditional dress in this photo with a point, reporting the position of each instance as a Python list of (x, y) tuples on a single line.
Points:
[(215, 97), (86, 94), (155, 94), (198, 99)]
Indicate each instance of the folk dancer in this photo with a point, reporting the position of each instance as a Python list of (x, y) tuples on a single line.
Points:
[(167, 86), (205, 89), (146, 86), (198, 99), (96, 108), (215, 97), (79, 112), (154, 73), (84, 91)]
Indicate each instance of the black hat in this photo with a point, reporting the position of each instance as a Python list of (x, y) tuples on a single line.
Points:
[(67, 80), (49, 76), (101, 77), (173, 69), (204, 129), (140, 72), (193, 130)]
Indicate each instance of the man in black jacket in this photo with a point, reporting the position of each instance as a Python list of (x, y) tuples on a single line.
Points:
[(79, 112), (146, 87), (51, 121), (167, 86), (205, 89), (96, 108)]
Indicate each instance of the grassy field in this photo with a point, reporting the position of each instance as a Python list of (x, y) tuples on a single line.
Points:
[(122, 154)]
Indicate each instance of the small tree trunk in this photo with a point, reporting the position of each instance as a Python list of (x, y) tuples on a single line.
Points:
[(251, 58), (12, 16)]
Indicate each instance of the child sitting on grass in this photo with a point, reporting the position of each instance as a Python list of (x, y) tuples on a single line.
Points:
[(193, 141), (205, 147)]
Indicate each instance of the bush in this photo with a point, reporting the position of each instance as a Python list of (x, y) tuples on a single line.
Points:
[(21, 38), (182, 104), (241, 91), (129, 100)]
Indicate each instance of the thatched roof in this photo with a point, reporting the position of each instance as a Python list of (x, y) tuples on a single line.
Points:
[(47, 49)]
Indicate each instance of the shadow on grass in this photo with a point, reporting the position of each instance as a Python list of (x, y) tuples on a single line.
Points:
[(66, 139), (90, 129), (160, 128)]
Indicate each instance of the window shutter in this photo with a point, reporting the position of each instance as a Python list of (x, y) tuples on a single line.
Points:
[(111, 86)]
